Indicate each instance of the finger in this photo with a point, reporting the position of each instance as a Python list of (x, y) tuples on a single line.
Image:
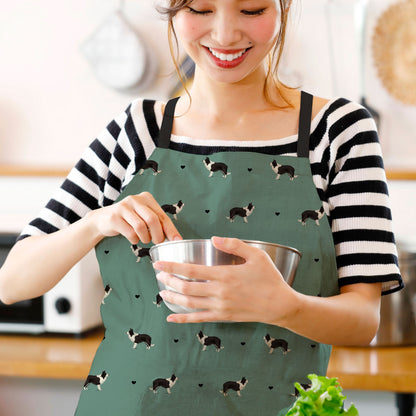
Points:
[(189, 288), (192, 302), (126, 230), (193, 271), (168, 227), (233, 246), (194, 317), (138, 225), (152, 222)]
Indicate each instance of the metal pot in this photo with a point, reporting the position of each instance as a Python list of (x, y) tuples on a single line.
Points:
[(398, 310), (285, 258)]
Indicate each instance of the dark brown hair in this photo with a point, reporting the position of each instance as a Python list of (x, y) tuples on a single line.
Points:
[(272, 78)]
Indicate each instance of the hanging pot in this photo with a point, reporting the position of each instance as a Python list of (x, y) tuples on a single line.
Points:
[(118, 55)]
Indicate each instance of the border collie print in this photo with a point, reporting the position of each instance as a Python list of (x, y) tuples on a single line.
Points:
[(234, 385), (107, 291), (282, 169), (166, 383), (139, 338), (207, 341), (312, 215), (159, 300), (173, 209), (274, 343), (241, 212), (216, 167), (140, 252), (304, 386), (96, 380), (150, 164)]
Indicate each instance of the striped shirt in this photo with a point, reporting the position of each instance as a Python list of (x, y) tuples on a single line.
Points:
[(346, 164)]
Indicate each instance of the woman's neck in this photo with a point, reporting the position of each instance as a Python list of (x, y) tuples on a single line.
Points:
[(246, 96)]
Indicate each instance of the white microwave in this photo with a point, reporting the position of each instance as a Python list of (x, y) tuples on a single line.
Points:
[(72, 306)]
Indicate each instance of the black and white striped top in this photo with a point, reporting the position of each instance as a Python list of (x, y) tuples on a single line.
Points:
[(346, 164)]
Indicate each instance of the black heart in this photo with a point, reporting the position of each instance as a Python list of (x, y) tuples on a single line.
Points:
[(137, 296), (316, 260), (277, 214), (106, 251), (270, 387), (183, 166), (175, 340), (313, 346), (243, 343), (249, 169), (200, 385), (207, 211), (133, 382)]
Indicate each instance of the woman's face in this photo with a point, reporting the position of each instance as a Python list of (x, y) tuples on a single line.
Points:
[(228, 39)]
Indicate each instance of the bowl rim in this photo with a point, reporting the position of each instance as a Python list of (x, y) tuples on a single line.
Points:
[(204, 240)]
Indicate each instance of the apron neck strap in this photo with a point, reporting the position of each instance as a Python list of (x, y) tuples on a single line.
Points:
[(167, 122), (305, 115)]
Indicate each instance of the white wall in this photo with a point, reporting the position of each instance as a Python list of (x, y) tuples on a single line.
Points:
[(52, 105)]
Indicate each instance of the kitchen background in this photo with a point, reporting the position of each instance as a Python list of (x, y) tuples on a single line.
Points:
[(55, 96)]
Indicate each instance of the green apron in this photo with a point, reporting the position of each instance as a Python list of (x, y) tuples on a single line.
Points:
[(147, 366)]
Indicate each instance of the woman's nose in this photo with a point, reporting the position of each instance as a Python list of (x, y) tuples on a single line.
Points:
[(226, 30)]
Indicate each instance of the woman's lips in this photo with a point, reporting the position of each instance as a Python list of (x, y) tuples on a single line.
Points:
[(225, 58)]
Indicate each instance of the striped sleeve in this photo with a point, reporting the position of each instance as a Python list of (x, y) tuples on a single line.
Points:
[(357, 200), (101, 173)]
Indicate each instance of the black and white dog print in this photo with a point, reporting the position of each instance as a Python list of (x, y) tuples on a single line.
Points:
[(96, 380), (274, 343), (140, 252), (312, 215), (107, 291), (241, 212), (139, 338), (306, 386), (216, 167), (234, 385), (166, 383), (282, 169), (173, 209), (152, 165), (206, 341), (158, 301)]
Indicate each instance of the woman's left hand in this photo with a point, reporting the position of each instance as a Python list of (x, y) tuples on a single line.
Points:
[(254, 291)]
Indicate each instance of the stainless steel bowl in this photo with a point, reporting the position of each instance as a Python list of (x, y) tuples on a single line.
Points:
[(203, 252)]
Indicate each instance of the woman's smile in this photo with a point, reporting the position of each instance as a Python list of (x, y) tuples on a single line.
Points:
[(227, 59)]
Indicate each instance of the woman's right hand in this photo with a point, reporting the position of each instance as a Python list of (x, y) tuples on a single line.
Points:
[(136, 217)]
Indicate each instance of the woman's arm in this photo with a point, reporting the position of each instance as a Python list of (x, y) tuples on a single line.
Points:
[(37, 263)]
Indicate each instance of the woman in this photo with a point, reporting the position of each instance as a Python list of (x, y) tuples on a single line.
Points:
[(298, 171)]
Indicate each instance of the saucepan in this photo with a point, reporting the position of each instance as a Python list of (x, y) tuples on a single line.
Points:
[(203, 252)]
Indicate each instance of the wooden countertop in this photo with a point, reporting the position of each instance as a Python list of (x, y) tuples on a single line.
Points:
[(65, 357)]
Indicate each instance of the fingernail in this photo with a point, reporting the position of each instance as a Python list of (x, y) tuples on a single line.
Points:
[(177, 238), (219, 240)]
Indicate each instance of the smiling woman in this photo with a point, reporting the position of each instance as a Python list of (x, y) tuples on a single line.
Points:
[(275, 21)]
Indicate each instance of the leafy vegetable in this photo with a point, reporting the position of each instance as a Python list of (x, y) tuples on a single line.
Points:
[(323, 398)]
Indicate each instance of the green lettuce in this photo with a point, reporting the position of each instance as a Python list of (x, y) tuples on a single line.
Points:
[(323, 398)]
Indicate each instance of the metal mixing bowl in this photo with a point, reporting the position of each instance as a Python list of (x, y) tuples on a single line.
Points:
[(203, 252)]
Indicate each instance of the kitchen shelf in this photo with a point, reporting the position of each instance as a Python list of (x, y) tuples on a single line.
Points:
[(66, 357), (16, 170)]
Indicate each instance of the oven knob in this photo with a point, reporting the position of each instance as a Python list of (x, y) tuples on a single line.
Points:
[(62, 305)]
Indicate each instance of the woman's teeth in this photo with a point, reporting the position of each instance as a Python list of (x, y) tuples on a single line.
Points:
[(227, 57)]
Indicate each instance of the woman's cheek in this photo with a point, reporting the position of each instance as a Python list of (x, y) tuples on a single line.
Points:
[(186, 27)]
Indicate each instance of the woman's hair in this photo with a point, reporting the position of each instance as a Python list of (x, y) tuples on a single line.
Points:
[(273, 59)]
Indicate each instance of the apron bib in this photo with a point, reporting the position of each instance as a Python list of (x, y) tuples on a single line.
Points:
[(147, 366)]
